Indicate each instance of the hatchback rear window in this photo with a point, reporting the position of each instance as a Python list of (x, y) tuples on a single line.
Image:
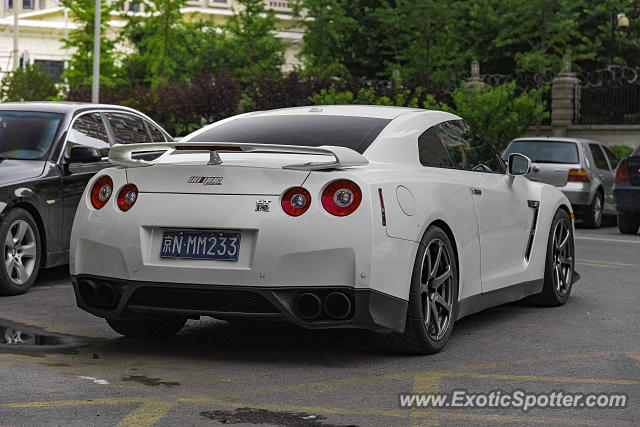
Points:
[(546, 151), (356, 133)]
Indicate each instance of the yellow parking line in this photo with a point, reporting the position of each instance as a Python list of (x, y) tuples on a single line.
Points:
[(608, 262), (147, 414), (106, 401), (635, 355), (591, 264), (427, 384)]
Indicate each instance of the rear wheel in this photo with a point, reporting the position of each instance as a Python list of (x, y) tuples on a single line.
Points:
[(592, 216), (628, 224), (152, 327), (21, 252), (433, 297), (560, 263)]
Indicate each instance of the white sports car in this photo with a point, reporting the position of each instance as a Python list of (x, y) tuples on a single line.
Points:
[(396, 220)]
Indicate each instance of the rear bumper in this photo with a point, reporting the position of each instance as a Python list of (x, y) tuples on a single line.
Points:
[(370, 309), (627, 201), (578, 196)]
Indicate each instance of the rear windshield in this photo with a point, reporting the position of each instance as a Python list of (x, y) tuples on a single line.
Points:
[(356, 133), (27, 135), (545, 151)]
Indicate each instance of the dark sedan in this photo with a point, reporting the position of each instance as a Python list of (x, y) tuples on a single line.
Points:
[(48, 153), (626, 193)]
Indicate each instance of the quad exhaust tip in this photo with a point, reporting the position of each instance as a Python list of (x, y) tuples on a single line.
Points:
[(309, 306), (99, 295), (337, 305)]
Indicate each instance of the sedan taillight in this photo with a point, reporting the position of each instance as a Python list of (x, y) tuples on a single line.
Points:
[(578, 175), (342, 197), (296, 201), (101, 191), (127, 197), (622, 174)]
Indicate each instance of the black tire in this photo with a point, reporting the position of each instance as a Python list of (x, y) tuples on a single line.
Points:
[(628, 224), (557, 262), (417, 337), (24, 254), (592, 215), (152, 327)]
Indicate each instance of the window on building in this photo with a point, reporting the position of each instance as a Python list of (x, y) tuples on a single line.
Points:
[(42, 4), (134, 7), (8, 4), (28, 4)]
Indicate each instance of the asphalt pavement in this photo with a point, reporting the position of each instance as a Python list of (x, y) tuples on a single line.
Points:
[(214, 372)]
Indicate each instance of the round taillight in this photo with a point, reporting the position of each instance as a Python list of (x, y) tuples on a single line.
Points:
[(101, 191), (296, 201), (127, 197), (342, 197)]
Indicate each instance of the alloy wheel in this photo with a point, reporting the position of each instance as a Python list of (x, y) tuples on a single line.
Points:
[(597, 210), (562, 258), (20, 252), (436, 288)]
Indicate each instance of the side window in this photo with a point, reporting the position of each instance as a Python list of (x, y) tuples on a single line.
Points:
[(156, 134), (89, 130), (613, 159), (467, 149), (598, 157), (432, 152), (127, 128)]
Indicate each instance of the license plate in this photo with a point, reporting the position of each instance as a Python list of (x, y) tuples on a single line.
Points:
[(219, 245)]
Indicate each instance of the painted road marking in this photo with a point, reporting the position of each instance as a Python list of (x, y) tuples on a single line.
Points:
[(591, 264), (609, 262), (147, 414), (606, 239)]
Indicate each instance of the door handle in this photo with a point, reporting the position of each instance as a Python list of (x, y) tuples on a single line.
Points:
[(476, 192)]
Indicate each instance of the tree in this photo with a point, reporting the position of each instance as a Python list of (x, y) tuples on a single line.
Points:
[(80, 41), (251, 46), (497, 113), (29, 84), (166, 47)]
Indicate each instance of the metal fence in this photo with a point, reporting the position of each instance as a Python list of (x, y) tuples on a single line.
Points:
[(609, 96)]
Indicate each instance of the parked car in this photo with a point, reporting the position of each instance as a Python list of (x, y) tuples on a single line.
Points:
[(626, 193), (48, 153), (582, 169), (395, 220)]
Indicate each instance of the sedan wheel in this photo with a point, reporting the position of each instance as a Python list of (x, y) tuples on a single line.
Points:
[(592, 217), (21, 252), (432, 305)]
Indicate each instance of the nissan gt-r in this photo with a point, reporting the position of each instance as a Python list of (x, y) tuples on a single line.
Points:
[(396, 220)]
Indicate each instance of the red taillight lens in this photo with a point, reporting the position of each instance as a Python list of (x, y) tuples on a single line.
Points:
[(578, 175), (296, 201), (127, 197), (342, 197), (622, 174), (101, 192)]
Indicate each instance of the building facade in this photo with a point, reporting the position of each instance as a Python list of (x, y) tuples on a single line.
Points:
[(44, 24)]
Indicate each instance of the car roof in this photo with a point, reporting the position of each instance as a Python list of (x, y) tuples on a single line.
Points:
[(58, 106), (558, 139), (372, 111)]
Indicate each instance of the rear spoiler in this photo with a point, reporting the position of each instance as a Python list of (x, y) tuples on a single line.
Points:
[(121, 154)]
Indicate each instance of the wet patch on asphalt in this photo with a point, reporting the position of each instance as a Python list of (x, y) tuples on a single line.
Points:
[(19, 338), (153, 382), (262, 416)]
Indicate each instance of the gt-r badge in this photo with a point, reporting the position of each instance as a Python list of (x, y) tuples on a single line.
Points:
[(263, 205), (205, 180)]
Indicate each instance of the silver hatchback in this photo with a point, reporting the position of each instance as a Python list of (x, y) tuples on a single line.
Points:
[(582, 169)]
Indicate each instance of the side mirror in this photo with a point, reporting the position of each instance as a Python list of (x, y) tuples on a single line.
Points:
[(84, 154), (518, 164)]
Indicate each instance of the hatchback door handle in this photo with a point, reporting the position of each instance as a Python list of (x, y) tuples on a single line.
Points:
[(476, 192)]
